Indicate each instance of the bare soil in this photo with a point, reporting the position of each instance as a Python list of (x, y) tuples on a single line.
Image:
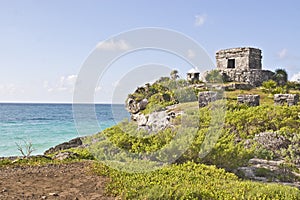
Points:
[(64, 181)]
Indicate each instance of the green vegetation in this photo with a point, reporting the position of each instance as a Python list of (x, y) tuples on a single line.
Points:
[(193, 176), (190, 181), (281, 77), (214, 76)]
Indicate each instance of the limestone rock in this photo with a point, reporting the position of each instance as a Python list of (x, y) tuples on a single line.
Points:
[(290, 99), (205, 98), (66, 145), (65, 155), (134, 107), (250, 100), (272, 141), (155, 121)]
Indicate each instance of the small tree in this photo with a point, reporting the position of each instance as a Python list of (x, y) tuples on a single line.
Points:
[(25, 150), (174, 74), (214, 76), (281, 77)]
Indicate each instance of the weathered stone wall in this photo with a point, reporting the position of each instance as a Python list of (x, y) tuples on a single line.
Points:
[(254, 77), (205, 98), (250, 100), (289, 99), (245, 58), (247, 66)]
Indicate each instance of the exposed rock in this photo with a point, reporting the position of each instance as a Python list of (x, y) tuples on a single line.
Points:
[(140, 118), (134, 107), (142, 104), (158, 121), (205, 98), (290, 99), (76, 142), (272, 141), (65, 155), (270, 171), (155, 121), (53, 194), (250, 100)]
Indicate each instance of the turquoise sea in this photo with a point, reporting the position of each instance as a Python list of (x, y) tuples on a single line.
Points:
[(47, 125)]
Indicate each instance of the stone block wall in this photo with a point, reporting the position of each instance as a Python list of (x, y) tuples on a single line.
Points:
[(204, 98), (242, 65), (250, 100), (289, 99), (253, 77), (244, 58)]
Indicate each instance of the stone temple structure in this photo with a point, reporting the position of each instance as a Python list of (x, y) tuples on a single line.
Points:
[(242, 65), (193, 75)]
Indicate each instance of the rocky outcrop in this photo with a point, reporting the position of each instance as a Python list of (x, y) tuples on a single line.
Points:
[(155, 121), (204, 98), (65, 155), (269, 171), (272, 141), (250, 100), (66, 145), (133, 107), (289, 99)]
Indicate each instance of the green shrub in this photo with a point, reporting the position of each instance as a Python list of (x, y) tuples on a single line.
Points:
[(190, 181)]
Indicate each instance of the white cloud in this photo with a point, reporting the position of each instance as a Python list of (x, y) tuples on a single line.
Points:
[(65, 83), (200, 19), (191, 54), (8, 89), (296, 77), (98, 88), (282, 53), (113, 45)]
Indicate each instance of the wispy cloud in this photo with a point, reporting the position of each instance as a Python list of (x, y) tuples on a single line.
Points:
[(296, 77), (191, 54), (64, 84), (200, 19), (113, 45), (282, 54), (8, 89)]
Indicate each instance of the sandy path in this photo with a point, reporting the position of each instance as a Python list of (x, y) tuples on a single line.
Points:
[(66, 181)]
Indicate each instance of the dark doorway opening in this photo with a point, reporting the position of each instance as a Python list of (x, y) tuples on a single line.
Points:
[(231, 63)]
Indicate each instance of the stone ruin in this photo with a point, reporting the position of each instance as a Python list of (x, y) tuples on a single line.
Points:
[(249, 99), (242, 65), (290, 99), (205, 98), (193, 75)]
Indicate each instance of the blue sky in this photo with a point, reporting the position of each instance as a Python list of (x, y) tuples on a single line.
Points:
[(43, 44)]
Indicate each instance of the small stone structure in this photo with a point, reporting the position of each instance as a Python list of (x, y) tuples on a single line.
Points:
[(242, 65), (290, 99), (205, 98), (193, 75), (249, 99)]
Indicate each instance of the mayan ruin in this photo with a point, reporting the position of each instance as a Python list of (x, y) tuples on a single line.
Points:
[(242, 65)]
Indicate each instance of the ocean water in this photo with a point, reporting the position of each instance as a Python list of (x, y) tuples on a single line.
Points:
[(47, 125)]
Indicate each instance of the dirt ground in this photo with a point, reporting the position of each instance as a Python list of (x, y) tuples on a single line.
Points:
[(65, 181)]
